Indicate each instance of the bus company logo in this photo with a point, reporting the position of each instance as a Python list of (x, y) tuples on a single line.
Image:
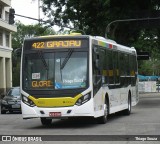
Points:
[(6, 138), (67, 102)]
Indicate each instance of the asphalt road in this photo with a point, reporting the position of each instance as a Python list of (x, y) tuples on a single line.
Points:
[(144, 120)]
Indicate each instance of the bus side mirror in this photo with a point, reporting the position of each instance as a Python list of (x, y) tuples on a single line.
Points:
[(96, 58), (97, 63)]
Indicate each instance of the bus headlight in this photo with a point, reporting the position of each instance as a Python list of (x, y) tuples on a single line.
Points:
[(83, 99), (27, 101)]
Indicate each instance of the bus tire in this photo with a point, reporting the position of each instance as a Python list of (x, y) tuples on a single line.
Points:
[(3, 112), (103, 119), (46, 121), (10, 111), (128, 110)]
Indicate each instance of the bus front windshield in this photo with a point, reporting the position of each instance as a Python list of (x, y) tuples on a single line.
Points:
[(58, 70)]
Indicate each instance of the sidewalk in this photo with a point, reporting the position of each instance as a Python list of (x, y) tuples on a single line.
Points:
[(149, 94)]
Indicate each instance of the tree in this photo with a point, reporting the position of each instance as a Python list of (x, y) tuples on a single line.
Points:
[(87, 15), (149, 41), (93, 16), (25, 31)]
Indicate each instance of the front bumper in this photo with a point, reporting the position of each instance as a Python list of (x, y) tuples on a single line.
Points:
[(73, 111), (8, 107)]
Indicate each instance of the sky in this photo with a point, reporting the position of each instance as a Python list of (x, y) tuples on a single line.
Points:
[(27, 8)]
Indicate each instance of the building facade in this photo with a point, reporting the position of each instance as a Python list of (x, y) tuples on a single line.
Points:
[(5, 46)]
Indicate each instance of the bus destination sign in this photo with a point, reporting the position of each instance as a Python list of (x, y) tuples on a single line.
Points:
[(57, 44)]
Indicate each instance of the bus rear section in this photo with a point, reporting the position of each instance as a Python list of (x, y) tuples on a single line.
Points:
[(55, 78)]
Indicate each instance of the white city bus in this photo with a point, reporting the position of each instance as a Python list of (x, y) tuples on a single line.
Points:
[(77, 76)]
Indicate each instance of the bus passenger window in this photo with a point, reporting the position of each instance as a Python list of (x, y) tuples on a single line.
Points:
[(110, 70), (115, 67)]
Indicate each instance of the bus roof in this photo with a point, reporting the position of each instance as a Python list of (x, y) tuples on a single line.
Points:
[(112, 45), (101, 41), (75, 35)]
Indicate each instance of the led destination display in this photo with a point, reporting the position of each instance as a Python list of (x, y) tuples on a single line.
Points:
[(57, 44)]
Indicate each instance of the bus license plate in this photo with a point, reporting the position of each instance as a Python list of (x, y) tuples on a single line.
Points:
[(15, 106), (55, 114)]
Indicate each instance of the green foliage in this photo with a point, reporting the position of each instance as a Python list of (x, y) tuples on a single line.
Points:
[(151, 67), (87, 15), (26, 31), (93, 16), (148, 41)]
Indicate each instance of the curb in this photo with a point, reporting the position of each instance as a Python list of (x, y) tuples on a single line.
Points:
[(149, 94)]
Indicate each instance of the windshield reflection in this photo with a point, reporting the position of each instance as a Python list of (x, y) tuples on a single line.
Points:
[(60, 70), (74, 73)]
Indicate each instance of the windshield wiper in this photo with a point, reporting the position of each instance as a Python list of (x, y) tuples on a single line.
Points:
[(66, 58), (40, 54)]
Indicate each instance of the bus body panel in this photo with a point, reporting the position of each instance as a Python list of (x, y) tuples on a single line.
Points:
[(118, 99), (118, 96)]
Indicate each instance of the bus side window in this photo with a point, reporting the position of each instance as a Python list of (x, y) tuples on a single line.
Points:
[(134, 69), (110, 70), (99, 67), (97, 78), (96, 62), (115, 67), (102, 59), (107, 59), (101, 64), (127, 77), (122, 69)]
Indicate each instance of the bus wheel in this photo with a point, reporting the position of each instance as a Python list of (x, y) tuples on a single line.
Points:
[(103, 119), (10, 111), (3, 112), (128, 110), (46, 121)]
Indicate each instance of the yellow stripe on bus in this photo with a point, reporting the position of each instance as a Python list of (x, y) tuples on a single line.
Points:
[(55, 102)]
